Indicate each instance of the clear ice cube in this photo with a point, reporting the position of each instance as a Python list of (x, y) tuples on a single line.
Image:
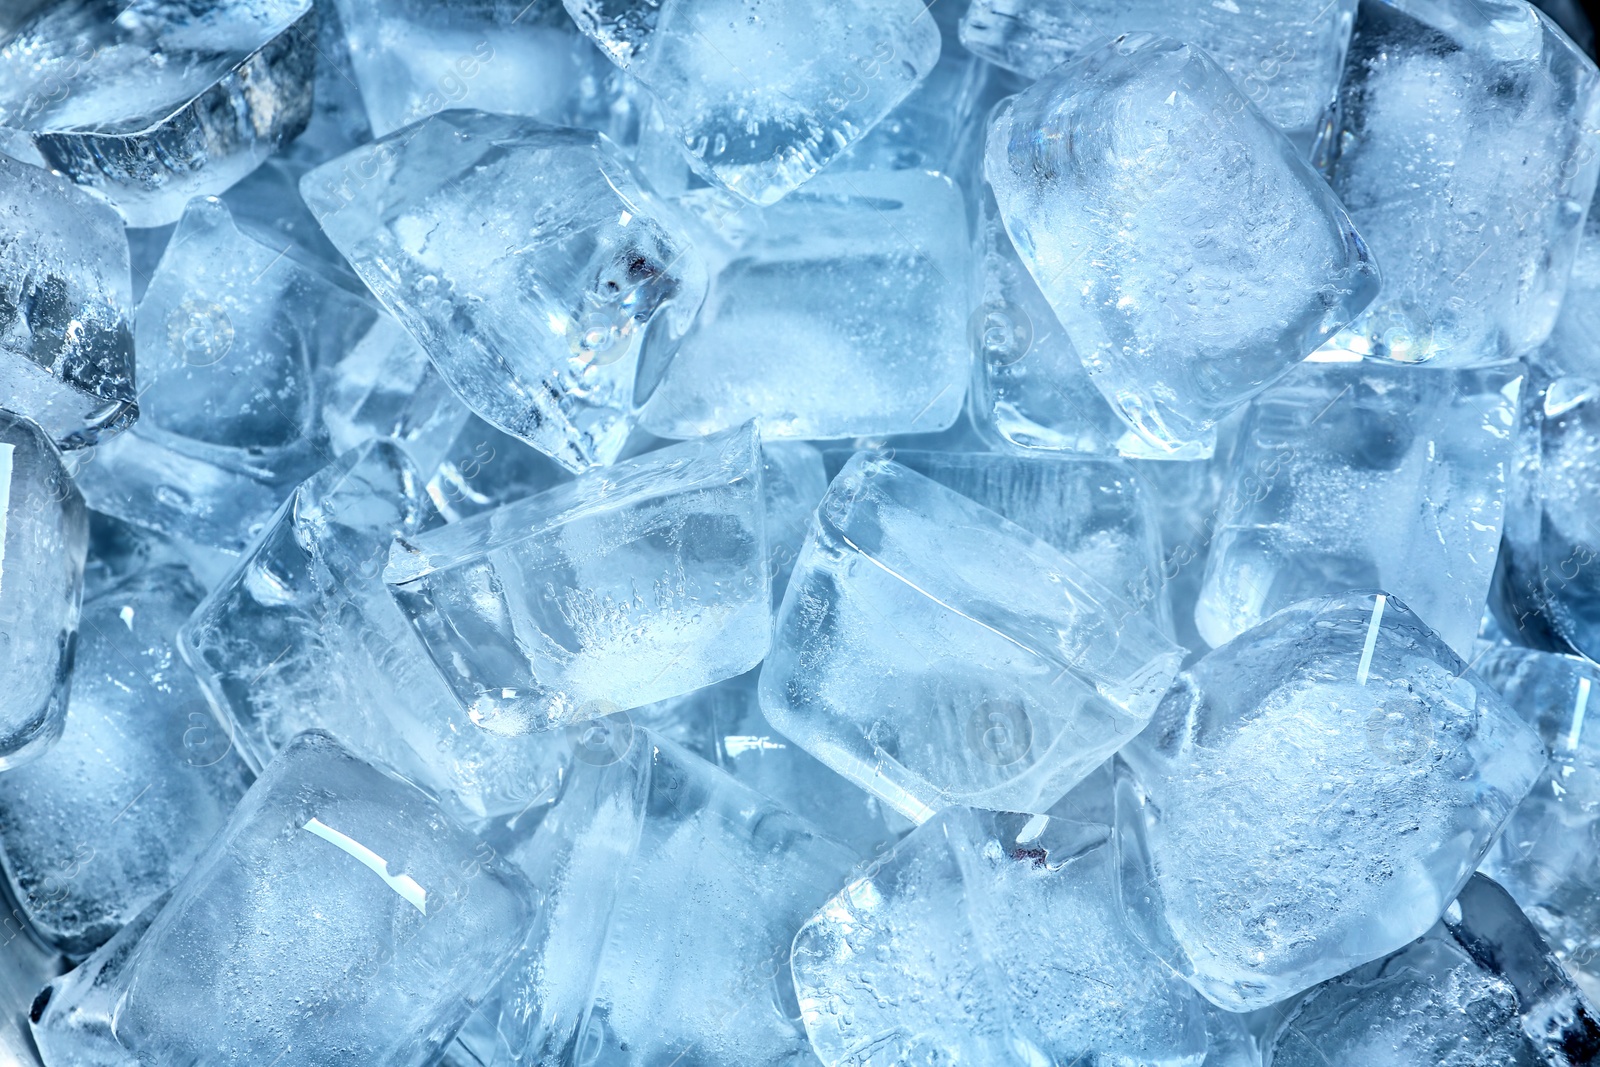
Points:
[(1361, 476), (527, 260), (304, 635), (151, 102), (1545, 858), (793, 480), (231, 335), (339, 918), (937, 654), (1379, 770), (118, 809), (640, 582), (66, 337), (761, 96), (1478, 990), (1493, 115), (415, 58), (863, 276), (990, 938), (1285, 56), (1190, 253), (44, 536), (483, 468)]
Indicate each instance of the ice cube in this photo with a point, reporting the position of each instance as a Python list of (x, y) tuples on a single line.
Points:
[(416, 58), (230, 335), (483, 468), (697, 955), (1547, 593), (1367, 475), (110, 817), (937, 654), (526, 259), (793, 480), (989, 938), (66, 341), (1094, 511), (1494, 117), (723, 725), (1031, 391), (1284, 56), (44, 535), (338, 910), (1314, 793), (1190, 253), (303, 634), (863, 276), (634, 584), (1574, 344), (762, 98), (151, 103), (387, 387), (1479, 990), (1544, 858)]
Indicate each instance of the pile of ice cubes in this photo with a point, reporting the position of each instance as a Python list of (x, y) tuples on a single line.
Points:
[(740, 533)]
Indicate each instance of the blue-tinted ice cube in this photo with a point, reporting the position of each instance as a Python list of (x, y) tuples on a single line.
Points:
[(150, 102), (527, 260), (1190, 253), (230, 337), (761, 96), (1493, 116), (1366, 475), (863, 278), (66, 341), (1480, 989), (990, 938), (634, 584), (44, 535), (110, 817), (1314, 793), (303, 634), (1286, 55), (339, 918), (937, 654)]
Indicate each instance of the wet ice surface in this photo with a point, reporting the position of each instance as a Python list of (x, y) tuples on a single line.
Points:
[(727, 533)]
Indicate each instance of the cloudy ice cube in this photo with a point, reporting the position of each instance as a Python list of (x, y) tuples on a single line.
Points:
[(415, 58), (762, 98), (66, 343), (937, 654), (1314, 793), (150, 103), (115, 812), (1285, 56), (1547, 593), (339, 910), (526, 259), (230, 335), (990, 938), (1366, 475), (1190, 253), (44, 535), (1545, 858), (634, 584), (1494, 117), (303, 635), (860, 280), (697, 954), (1480, 989)]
